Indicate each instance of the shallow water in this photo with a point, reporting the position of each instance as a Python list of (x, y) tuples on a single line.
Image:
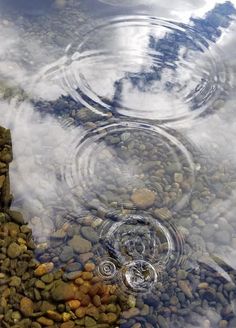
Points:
[(123, 130)]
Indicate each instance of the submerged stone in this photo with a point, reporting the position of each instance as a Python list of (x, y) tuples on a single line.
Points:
[(80, 245), (143, 198)]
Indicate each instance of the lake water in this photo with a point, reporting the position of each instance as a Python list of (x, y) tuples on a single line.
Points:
[(122, 118)]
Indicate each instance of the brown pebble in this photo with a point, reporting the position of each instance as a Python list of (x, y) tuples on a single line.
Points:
[(74, 304), (143, 198), (26, 306), (2, 179), (96, 289), (43, 268), (54, 315), (86, 300), (85, 289), (45, 322), (63, 292), (68, 324), (89, 266), (183, 285), (97, 300)]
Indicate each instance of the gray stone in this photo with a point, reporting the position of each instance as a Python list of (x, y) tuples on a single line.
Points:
[(75, 266), (66, 254), (198, 206), (90, 234), (80, 245)]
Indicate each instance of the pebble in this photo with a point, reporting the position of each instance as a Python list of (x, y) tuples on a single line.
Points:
[(15, 281), (181, 274), (47, 278), (89, 266), (197, 206), (145, 310), (130, 313), (90, 234), (14, 250), (80, 245), (16, 316), (74, 266), (137, 325), (43, 269), (85, 257), (66, 316), (203, 285), (143, 198), (183, 285), (26, 306), (230, 287), (54, 315), (74, 304), (174, 300), (39, 284), (59, 234), (162, 322), (80, 312), (45, 322), (178, 177), (68, 324), (96, 223), (63, 292), (67, 254), (89, 322), (72, 275), (16, 216), (163, 213)]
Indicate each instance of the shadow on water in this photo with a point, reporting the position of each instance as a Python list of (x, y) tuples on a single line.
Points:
[(124, 172)]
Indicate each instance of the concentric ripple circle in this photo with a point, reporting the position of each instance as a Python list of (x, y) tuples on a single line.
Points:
[(129, 165), (142, 248), (143, 67)]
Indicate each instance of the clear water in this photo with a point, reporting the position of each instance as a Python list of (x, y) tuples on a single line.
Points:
[(122, 116)]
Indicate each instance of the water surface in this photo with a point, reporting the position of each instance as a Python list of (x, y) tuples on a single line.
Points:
[(123, 128)]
